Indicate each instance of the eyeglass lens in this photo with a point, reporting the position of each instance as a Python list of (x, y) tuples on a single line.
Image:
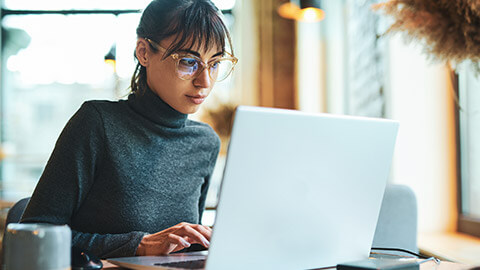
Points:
[(189, 68)]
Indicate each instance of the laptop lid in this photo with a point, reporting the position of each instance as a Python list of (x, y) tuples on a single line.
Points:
[(300, 190)]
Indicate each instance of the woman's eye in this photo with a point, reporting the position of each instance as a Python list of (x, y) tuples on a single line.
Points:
[(215, 64), (189, 62)]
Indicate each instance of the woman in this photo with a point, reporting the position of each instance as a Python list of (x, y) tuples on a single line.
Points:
[(130, 177)]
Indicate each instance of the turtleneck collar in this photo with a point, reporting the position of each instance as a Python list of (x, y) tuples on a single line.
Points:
[(151, 106)]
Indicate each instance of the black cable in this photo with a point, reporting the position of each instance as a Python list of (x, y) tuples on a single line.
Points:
[(401, 250), (409, 252)]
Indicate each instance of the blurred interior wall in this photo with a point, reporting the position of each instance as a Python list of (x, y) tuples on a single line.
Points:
[(421, 98), (366, 55), (334, 28), (266, 49), (311, 67), (246, 44)]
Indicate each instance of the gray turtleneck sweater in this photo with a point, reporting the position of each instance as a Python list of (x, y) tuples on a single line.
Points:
[(123, 169)]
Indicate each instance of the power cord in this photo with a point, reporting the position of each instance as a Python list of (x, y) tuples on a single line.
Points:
[(426, 258)]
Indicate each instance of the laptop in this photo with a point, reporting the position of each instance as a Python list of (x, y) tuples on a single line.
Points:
[(299, 191)]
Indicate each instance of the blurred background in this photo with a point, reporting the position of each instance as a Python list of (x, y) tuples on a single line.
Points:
[(56, 54)]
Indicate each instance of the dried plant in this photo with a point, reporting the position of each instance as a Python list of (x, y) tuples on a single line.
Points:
[(450, 29), (221, 118)]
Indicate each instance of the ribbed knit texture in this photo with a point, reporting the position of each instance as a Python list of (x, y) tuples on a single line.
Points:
[(123, 169)]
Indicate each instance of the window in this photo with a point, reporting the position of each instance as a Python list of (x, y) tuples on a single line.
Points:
[(469, 133), (51, 64)]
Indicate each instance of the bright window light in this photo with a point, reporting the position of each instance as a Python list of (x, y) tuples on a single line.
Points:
[(73, 51), (224, 4)]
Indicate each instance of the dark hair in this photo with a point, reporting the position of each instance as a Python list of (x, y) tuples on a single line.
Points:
[(195, 22)]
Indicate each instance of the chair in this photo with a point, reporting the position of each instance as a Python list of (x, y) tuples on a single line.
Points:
[(13, 216), (397, 222), (15, 213)]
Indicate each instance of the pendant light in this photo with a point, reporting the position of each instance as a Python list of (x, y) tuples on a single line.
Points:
[(302, 10), (111, 58)]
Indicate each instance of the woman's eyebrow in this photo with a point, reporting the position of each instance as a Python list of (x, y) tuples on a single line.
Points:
[(197, 53), (217, 54), (190, 52)]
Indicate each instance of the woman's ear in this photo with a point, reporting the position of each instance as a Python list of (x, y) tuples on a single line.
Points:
[(141, 51)]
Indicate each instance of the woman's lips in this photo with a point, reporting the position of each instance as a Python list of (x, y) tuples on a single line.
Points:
[(196, 99)]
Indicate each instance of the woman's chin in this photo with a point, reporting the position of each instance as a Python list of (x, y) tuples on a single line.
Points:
[(189, 109)]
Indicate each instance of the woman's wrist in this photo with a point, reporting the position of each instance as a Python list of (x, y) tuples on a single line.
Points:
[(140, 250), (141, 247)]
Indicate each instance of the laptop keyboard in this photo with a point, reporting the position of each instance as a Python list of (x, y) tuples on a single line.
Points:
[(195, 264)]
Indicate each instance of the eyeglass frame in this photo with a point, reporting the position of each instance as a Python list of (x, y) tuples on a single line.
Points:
[(204, 65)]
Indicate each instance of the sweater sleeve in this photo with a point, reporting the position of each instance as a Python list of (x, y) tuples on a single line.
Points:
[(67, 179), (206, 183), (108, 245)]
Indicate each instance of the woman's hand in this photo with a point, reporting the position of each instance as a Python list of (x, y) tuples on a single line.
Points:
[(174, 239)]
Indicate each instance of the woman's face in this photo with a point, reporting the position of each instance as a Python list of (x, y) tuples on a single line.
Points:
[(185, 96)]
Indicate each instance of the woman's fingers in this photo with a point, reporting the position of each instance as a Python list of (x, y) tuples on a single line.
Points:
[(206, 231), (175, 239), (195, 234)]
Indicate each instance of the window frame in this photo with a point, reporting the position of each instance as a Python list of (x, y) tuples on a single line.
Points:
[(465, 223)]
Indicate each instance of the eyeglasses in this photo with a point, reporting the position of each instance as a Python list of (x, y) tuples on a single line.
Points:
[(189, 67)]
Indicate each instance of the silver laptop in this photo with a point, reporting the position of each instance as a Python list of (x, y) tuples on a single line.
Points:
[(299, 191)]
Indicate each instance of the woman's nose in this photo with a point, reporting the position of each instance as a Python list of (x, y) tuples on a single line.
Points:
[(203, 80)]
